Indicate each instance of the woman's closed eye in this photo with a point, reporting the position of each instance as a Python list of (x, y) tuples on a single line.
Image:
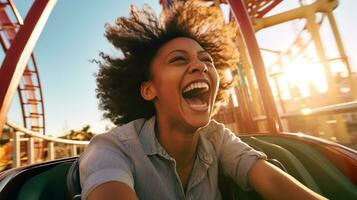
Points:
[(178, 59)]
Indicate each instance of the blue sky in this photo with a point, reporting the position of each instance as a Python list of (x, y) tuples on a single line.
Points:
[(74, 34)]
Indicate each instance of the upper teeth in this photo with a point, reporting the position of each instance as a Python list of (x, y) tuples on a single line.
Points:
[(196, 85)]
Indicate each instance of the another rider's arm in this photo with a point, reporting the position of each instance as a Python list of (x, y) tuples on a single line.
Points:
[(272, 183)]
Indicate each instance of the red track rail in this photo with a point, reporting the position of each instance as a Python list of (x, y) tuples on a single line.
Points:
[(29, 88)]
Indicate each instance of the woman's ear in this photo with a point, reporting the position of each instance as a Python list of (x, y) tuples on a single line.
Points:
[(147, 90)]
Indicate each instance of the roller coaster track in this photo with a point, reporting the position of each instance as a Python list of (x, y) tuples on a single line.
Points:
[(25, 137), (29, 89), (19, 67)]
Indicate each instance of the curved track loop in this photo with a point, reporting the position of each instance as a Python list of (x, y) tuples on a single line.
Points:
[(29, 89)]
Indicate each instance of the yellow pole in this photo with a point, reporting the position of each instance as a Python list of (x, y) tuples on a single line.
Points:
[(312, 27), (342, 53)]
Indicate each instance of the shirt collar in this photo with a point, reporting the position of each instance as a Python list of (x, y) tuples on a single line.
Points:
[(147, 137)]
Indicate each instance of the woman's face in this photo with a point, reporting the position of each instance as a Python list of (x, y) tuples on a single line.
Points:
[(184, 83)]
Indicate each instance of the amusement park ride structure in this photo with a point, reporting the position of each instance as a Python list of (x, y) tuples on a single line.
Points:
[(18, 71), (324, 166), (19, 68)]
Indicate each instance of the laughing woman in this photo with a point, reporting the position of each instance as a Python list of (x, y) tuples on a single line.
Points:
[(162, 90)]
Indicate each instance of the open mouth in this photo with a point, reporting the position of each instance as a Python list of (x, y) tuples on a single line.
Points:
[(197, 95)]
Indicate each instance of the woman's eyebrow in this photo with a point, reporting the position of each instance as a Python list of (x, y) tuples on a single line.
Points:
[(185, 52), (175, 51)]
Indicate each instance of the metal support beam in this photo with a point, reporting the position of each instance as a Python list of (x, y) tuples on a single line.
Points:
[(20, 51), (51, 151), (31, 151), (342, 53), (16, 150), (242, 17), (74, 150)]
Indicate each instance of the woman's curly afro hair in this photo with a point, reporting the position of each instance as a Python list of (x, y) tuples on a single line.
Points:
[(139, 36)]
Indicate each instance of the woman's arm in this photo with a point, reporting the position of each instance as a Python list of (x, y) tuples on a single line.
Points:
[(113, 190), (272, 183)]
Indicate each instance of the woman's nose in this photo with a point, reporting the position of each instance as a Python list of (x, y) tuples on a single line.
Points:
[(198, 67)]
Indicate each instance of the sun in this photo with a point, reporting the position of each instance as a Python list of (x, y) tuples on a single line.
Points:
[(305, 75)]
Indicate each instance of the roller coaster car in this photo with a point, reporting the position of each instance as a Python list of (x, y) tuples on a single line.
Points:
[(326, 167)]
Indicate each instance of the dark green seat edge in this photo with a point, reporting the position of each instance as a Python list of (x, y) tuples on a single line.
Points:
[(294, 167), (312, 160), (73, 181), (333, 184), (50, 184)]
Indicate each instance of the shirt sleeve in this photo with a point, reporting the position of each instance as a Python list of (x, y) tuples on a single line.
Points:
[(237, 158), (102, 162)]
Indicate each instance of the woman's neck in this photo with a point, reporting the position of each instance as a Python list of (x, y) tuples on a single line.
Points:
[(178, 142)]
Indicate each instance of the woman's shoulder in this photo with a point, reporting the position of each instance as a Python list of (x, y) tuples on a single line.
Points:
[(213, 133), (213, 130), (121, 134), (116, 140), (219, 135)]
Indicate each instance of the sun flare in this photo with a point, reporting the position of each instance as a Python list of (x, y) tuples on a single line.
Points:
[(306, 75)]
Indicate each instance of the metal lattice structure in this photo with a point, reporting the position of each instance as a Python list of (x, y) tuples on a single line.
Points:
[(19, 68), (29, 89), (258, 8)]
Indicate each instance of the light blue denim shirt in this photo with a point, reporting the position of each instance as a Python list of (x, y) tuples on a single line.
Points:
[(132, 154)]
